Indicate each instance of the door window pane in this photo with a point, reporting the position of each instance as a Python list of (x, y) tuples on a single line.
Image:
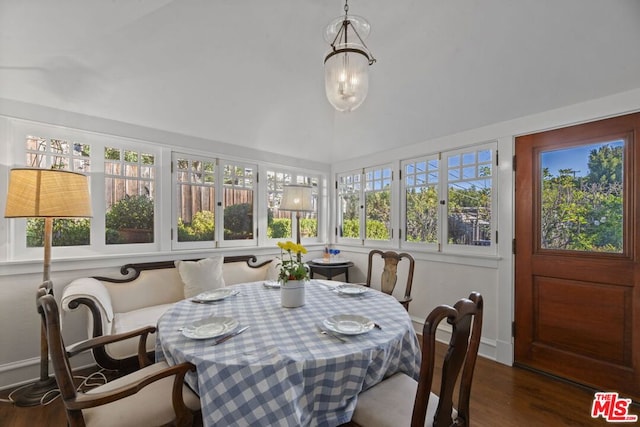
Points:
[(582, 202)]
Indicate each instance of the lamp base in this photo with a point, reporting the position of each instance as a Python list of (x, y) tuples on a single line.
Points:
[(32, 394)]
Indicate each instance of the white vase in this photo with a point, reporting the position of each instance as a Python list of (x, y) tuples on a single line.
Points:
[(292, 293)]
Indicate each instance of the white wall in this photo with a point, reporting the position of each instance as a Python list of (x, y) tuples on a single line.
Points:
[(438, 278)]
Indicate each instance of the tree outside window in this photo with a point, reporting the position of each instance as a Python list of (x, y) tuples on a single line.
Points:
[(364, 204)]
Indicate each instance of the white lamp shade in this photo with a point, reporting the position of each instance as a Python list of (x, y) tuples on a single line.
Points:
[(42, 193), (297, 198), (346, 77)]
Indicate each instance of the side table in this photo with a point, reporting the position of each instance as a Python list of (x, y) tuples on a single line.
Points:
[(330, 270)]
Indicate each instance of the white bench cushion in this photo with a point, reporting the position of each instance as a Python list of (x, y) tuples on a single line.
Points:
[(125, 322)]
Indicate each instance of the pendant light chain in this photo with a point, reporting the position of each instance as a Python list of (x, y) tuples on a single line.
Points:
[(344, 32)]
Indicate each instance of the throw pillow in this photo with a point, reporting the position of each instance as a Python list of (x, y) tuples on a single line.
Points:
[(200, 276)]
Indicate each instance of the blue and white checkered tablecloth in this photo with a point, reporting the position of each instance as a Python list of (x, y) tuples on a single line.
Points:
[(282, 371)]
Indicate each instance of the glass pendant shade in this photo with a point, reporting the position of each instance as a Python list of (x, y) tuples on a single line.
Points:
[(346, 77), (346, 65)]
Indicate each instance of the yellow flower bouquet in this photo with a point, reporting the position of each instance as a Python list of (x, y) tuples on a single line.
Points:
[(292, 269)]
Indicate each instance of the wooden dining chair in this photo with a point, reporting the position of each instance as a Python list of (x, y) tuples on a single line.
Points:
[(152, 396), (387, 404), (389, 275)]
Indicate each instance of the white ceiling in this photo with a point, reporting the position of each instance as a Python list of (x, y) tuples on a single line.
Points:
[(249, 72)]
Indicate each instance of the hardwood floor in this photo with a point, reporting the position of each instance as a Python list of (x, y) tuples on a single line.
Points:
[(500, 396)]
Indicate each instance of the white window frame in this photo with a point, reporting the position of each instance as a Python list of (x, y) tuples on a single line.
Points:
[(458, 248), (175, 243), (15, 131), (220, 206), (19, 130), (432, 246), (362, 176), (443, 195), (294, 177)]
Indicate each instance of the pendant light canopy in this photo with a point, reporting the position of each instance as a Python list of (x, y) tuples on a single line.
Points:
[(346, 66)]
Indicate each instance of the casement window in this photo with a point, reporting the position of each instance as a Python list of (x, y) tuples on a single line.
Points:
[(195, 201), (51, 153), (122, 179), (421, 201), (364, 209), (214, 202), (129, 187), (238, 218), (448, 200), (282, 224), (144, 202)]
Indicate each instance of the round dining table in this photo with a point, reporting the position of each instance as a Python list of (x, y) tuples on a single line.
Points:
[(288, 368)]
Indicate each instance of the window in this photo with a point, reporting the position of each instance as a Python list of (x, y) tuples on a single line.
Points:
[(348, 220), (64, 155), (238, 201), (448, 200), (195, 191), (377, 203), (144, 202), (129, 194), (470, 197), (280, 224), (214, 204), (309, 220), (364, 204), (421, 178)]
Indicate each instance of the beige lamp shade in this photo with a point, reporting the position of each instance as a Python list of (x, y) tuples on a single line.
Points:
[(297, 198), (47, 193)]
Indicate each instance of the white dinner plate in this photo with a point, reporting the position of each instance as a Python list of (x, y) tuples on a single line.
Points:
[(330, 261), (273, 284), (216, 294), (210, 327), (349, 289), (348, 324)]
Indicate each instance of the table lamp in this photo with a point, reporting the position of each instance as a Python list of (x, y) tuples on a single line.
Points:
[(298, 198), (48, 194)]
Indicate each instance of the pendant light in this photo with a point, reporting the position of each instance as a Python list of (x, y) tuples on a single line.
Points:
[(346, 66)]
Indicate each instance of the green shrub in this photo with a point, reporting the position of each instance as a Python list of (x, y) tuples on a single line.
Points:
[(279, 228), (238, 222), (309, 227), (201, 228), (65, 232), (131, 212), (376, 230)]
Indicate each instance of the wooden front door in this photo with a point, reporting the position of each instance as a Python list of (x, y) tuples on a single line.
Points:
[(577, 215)]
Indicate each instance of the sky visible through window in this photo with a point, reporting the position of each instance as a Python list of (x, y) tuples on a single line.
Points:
[(575, 158)]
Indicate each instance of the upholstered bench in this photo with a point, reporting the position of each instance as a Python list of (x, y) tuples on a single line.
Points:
[(146, 291)]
